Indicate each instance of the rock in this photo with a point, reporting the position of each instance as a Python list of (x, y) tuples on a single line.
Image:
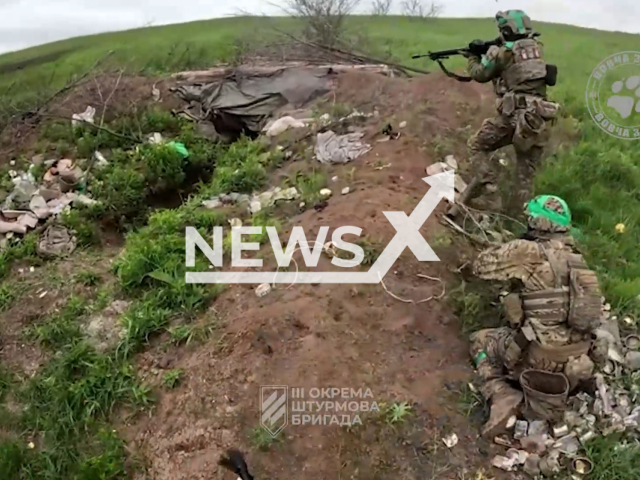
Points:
[(325, 192), (37, 159), (345, 190), (263, 289), (334, 179), (511, 422), (235, 222), (402, 124)]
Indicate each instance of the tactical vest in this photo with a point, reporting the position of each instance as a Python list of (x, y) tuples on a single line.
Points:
[(575, 298), (526, 64)]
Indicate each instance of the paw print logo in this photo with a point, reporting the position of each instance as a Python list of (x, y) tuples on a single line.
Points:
[(626, 98), (613, 95)]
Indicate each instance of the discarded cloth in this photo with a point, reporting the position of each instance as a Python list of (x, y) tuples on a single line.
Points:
[(270, 197), (57, 241), (332, 148), (77, 119), (281, 125)]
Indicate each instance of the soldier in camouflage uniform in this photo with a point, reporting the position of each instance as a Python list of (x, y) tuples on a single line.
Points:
[(552, 318), (520, 79)]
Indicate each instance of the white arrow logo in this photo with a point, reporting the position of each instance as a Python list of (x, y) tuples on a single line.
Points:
[(407, 235)]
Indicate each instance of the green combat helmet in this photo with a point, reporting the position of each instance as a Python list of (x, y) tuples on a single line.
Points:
[(548, 213), (513, 25)]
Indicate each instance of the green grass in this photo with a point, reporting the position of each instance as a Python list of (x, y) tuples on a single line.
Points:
[(613, 457), (262, 439), (172, 378), (66, 407)]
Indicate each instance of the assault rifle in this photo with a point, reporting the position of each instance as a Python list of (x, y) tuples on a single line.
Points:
[(476, 48)]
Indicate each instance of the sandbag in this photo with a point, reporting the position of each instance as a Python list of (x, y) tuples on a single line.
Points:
[(545, 394)]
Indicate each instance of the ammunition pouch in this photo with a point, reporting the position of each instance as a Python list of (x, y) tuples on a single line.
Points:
[(585, 307), (553, 359), (547, 110), (513, 309), (549, 307), (552, 75)]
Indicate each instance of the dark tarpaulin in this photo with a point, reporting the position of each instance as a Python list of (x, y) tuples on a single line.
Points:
[(242, 103)]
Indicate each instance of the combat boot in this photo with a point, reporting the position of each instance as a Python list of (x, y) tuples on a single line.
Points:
[(505, 402)]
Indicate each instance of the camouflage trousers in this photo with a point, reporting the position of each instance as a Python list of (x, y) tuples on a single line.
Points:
[(528, 142)]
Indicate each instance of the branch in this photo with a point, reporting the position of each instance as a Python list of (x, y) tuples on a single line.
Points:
[(353, 55)]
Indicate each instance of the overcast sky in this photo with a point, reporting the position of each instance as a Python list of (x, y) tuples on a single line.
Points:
[(31, 22)]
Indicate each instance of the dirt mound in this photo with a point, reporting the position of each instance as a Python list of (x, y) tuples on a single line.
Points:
[(339, 336)]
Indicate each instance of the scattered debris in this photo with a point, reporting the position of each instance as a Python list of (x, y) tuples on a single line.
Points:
[(271, 197), (86, 116), (334, 179), (582, 466), (331, 148), (235, 222), (450, 440), (254, 203), (263, 289), (402, 124), (100, 162), (389, 134), (449, 164), (57, 241), (155, 138), (345, 190), (325, 192), (281, 125), (521, 428), (155, 93)]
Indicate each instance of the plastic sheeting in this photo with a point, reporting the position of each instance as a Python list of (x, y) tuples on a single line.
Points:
[(242, 103)]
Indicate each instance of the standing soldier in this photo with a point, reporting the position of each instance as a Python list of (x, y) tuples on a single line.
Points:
[(520, 78)]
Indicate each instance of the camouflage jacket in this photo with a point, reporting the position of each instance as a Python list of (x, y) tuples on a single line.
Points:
[(526, 261), (498, 66)]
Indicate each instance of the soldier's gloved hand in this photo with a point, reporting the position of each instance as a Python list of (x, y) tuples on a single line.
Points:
[(477, 48)]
